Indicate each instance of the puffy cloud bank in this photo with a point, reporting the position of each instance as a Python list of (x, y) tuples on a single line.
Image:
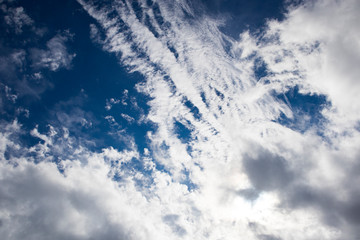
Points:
[(256, 137)]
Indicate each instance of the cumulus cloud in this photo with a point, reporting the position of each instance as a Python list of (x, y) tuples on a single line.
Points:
[(81, 185), (221, 163), (60, 206)]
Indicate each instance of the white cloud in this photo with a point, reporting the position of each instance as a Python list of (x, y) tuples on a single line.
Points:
[(235, 145), (128, 118), (323, 39), (16, 18), (239, 173), (56, 56)]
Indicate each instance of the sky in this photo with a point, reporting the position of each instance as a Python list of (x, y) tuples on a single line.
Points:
[(182, 119)]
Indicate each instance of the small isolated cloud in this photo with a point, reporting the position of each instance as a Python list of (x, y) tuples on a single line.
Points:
[(95, 34), (110, 102), (56, 55), (70, 113), (113, 101), (128, 118)]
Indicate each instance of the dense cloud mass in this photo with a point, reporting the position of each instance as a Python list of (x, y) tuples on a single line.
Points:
[(254, 137)]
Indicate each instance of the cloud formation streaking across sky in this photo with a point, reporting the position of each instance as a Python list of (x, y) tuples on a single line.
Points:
[(180, 119)]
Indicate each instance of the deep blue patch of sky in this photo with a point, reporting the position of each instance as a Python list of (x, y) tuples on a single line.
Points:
[(183, 132), (94, 77), (306, 109), (244, 15)]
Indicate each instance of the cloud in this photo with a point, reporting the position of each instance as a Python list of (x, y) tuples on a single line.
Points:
[(16, 18), (89, 203), (267, 171), (210, 84), (240, 173), (171, 221), (70, 113), (110, 102), (323, 38), (45, 204), (23, 63), (56, 56)]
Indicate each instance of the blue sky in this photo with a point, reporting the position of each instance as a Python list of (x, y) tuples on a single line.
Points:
[(180, 119)]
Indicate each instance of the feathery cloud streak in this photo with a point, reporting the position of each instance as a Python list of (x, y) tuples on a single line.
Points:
[(229, 158), (207, 83)]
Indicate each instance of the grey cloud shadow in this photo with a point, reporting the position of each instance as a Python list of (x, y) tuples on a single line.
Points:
[(268, 171), (259, 232), (171, 220), (249, 194), (39, 208)]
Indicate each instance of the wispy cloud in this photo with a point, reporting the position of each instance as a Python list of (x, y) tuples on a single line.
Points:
[(16, 18), (56, 56), (220, 163), (206, 81), (24, 64)]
